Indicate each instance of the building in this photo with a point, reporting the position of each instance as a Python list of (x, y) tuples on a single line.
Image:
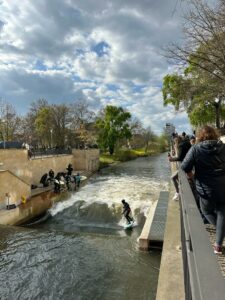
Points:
[(169, 129)]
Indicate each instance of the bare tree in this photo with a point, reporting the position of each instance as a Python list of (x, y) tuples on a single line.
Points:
[(204, 46), (9, 121)]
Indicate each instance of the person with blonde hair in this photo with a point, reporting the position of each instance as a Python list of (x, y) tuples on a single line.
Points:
[(207, 158)]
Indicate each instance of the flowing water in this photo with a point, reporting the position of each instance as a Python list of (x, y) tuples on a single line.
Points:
[(81, 251)]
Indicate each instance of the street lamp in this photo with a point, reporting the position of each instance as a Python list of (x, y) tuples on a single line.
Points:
[(3, 132), (51, 130), (217, 108)]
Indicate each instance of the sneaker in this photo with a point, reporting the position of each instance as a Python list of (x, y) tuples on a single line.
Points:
[(176, 197), (217, 249)]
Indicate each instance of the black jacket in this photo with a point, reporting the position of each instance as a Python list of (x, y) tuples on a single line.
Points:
[(208, 160), (182, 150)]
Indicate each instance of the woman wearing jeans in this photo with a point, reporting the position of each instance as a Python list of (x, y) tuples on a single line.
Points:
[(207, 158)]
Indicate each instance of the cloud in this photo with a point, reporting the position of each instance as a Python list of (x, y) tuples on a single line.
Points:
[(105, 51)]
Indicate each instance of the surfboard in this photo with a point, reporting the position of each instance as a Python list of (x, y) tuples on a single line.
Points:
[(83, 178), (128, 226)]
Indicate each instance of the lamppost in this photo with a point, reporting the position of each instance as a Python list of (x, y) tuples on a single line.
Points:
[(3, 132), (217, 108), (51, 130)]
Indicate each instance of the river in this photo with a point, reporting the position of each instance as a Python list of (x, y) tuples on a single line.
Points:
[(81, 251)]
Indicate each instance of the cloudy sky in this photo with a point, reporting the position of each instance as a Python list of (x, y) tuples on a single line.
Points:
[(102, 51)]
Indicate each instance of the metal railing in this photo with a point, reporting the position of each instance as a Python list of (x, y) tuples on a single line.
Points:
[(35, 153), (202, 276)]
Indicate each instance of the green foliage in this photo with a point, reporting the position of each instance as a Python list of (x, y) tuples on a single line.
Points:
[(196, 92), (113, 126), (42, 124), (174, 90)]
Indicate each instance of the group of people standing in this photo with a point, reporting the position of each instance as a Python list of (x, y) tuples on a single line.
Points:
[(204, 164), (62, 180)]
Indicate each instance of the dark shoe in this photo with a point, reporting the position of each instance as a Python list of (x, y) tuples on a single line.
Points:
[(217, 249)]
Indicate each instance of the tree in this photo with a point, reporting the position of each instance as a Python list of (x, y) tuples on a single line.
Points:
[(43, 125), (82, 124), (9, 122), (113, 126), (195, 91), (203, 53), (148, 137), (61, 118), (204, 45), (30, 134)]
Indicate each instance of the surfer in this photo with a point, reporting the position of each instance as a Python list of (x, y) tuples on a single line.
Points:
[(126, 211)]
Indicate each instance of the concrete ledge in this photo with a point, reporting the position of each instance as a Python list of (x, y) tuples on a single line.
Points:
[(171, 277), (144, 237)]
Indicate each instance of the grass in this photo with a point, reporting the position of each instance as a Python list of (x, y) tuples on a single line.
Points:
[(123, 155)]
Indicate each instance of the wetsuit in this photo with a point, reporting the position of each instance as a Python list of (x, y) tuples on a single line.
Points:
[(126, 212)]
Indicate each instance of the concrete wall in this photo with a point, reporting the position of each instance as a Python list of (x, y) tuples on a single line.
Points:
[(36, 206), (16, 161), (13, 186), (37, 167), (86, 159), (31, 170)]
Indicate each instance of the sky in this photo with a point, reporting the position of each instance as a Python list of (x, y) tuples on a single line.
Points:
[(98, 51)]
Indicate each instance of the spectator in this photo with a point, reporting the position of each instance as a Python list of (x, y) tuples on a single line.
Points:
[(183, 145), (51, 175), (68, 181), (44, 180), (69, 169), (57, 183), (183, 134), (208, 159), (192, 140), (78, 178)]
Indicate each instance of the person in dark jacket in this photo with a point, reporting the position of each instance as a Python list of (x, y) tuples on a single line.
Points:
[(69, 170), (44, 180), (183, 145), (51, 174), (207, 158), (126, 211)]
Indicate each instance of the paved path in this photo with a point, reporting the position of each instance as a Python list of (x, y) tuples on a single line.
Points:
[(221, 258)]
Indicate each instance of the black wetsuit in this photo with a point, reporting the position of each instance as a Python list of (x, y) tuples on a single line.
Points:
[(126, 212)]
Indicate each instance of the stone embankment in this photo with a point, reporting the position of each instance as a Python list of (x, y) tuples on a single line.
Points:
[(40, 201), (18, 172)]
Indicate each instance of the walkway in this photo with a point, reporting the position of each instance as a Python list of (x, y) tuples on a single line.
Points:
[(221, 258)]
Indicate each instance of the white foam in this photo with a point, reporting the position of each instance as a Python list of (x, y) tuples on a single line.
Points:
[(138, 192)]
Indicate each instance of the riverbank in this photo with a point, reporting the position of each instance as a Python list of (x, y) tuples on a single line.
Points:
[(124, 155)]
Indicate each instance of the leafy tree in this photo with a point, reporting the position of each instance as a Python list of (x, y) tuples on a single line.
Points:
[(203, 53), (29, 132), (113, 126), (43, 125), (195, 91)]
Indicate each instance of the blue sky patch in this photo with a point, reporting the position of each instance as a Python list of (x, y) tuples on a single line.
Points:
[(101, 48)]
